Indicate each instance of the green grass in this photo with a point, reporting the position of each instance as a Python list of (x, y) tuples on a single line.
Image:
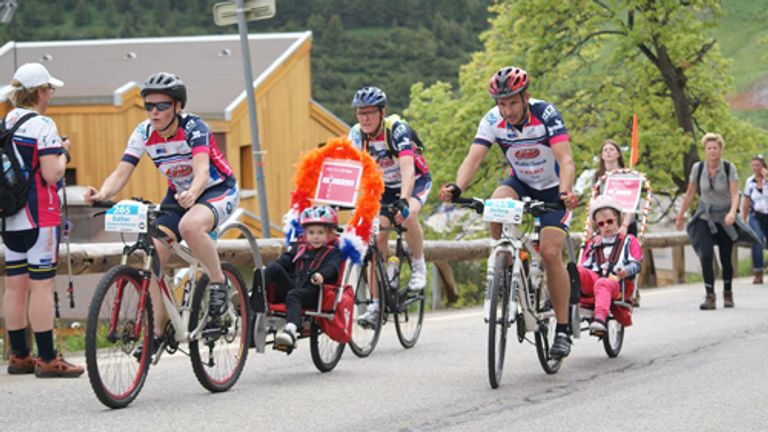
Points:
[(739, 35)]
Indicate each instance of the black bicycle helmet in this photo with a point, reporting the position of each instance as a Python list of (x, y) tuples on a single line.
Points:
[(167, 83), (369, 96)]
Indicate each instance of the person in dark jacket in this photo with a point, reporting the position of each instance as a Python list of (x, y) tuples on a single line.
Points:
[(299, 273)]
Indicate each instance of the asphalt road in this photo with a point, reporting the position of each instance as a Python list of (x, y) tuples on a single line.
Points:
[(681, 369)]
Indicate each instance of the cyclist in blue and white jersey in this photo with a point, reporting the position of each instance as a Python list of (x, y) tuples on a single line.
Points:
[(396, 149), (200, 181), (535, 143)]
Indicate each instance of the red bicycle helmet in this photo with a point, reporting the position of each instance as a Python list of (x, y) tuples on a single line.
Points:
[(508, 81), (321, 215)]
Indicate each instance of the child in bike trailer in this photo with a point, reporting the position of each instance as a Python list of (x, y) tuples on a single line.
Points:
[(297, 276), (610, 257)]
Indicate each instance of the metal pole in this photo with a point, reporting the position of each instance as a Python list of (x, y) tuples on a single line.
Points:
[(256, 147)]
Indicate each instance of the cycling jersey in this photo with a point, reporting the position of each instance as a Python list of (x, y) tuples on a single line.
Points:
[(173, 156), (528, 149), (35, 138), (402, 141)]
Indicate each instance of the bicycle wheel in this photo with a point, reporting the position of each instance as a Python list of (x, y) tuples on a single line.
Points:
[(115, 328), (613, 339), (364, 339), (218, 354), (545, 335), (326, 352), (409, 313), (498, 320)]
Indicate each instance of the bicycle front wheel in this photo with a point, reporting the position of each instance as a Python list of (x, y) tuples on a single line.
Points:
[(218, 354), (325, 351), (364, 337), (613, 339), (498, 320), (409, 313), (545, 334), (116, 327)]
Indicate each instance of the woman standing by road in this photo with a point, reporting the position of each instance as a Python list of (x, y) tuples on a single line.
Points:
[(716, 181), (754, 208), (31, 235)]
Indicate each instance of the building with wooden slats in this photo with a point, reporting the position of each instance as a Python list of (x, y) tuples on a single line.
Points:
[(99, 106)]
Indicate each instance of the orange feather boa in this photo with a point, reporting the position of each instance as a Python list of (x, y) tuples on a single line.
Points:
[(370, 190)]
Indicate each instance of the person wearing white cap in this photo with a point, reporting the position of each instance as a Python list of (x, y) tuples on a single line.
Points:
[(609, 258), (31, 235)]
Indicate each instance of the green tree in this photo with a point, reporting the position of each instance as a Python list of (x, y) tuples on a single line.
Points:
[(599, 62)]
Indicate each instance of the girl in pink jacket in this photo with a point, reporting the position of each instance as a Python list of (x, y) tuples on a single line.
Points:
[(609, 258)]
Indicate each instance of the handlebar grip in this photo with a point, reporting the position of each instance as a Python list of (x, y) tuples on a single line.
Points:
[(104, 204)]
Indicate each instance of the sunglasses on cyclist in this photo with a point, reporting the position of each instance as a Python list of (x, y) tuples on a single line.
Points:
[(607, 222), (161, 106)]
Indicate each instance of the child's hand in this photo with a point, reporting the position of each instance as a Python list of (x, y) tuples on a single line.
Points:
[(317, 279), (622, 273)]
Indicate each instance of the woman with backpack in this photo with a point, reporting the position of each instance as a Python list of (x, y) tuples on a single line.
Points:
[(31, 233), (717, 183)]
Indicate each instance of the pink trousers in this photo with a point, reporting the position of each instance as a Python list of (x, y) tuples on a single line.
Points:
[(601, 288)]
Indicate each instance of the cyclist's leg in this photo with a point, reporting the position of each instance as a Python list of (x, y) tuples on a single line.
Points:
[(415, 236), (213, 207), (158, 307), (167, 223), (552, 238), (509, 188)]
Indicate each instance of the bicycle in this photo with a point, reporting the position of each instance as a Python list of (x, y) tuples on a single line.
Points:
[(120, 319), (515, 287), (391, 285)]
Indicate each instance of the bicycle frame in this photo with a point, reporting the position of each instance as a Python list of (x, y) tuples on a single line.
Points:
[(513, 241), (179, 314)]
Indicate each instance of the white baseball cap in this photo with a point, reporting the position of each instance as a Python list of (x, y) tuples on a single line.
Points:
[(31, 75)]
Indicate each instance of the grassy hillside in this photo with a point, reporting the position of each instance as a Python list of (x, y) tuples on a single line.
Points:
[(743, 37)]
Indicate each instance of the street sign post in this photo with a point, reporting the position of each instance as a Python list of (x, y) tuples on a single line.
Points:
[(239, 11), (225, 13)]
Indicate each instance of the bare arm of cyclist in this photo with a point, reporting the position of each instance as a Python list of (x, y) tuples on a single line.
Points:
[(201, 163), (407, 176), (467, 170), (562, 152), (112, 185)]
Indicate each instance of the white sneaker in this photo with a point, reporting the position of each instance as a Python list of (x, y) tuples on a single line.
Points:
[(418, 278), (286, 340), (370, 319), (597, 327)]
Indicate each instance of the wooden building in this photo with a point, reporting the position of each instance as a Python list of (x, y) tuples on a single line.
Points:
[(99, 106)]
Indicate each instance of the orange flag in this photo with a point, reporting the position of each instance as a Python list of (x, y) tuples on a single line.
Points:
[(633, 154)]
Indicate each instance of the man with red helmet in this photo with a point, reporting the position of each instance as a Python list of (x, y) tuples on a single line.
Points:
[(533, 138)]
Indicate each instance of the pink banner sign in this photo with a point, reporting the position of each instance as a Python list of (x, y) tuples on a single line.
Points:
[(626, 189), (338, 182)]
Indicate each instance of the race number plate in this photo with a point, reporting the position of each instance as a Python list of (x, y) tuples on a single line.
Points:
[(127, 216), (505, 210)]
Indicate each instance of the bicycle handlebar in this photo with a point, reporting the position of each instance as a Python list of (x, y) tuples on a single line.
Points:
[(106, 204), (534, 207)]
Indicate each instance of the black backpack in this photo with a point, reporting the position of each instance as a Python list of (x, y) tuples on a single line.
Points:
[(14, 185)]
